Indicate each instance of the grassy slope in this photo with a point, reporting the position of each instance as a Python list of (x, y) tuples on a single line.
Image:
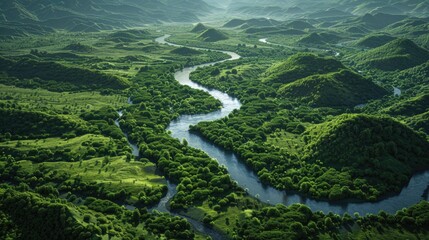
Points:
[(53, 102), (116, 175)]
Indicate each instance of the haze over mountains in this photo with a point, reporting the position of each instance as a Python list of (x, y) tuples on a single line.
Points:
[(330, 8), (94, 15)]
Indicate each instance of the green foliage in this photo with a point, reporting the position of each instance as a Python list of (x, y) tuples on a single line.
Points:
[(212, 35), (373, 41), (410, 107), (72, 77), (39, 218), (343, 88), (199, 28), (186, 51), (300, 66), (31, 124), (380, 150), (78, 47), (398, 54), (129, 35)]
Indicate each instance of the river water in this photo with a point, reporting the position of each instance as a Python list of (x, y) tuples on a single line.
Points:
[(416, 190)]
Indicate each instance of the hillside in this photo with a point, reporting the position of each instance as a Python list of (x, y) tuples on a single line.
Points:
[(300, 66), (419, 122), (212, 35), (300, 25), (44, 73), (78, 47), (312, 38), (380, 150), (398, 54), (338, 89), (95, 15), (186, 51), (319, 38), (373, 41), (253, 22), (131, 35), (410, 107), (199, 28), (18, 124)]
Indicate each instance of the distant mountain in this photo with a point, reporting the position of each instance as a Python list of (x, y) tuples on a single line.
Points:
[(95, 15), (212, 35), (326, 9), (319, 38), (331, 13), (299, 24), (396, 7), (338, 89), (398, 54), (277, 30), (376, 21), (199, 28), (252, 22), (373, 41)]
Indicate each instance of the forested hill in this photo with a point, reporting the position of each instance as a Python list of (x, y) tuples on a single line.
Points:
[(95, 15)]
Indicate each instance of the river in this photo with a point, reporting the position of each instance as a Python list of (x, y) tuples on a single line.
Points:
[(415, 191)]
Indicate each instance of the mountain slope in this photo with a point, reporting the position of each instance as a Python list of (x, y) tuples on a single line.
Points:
[(374, 41), (338, 89), (300, 66), (397, 54), (380, 150), (199, 28), (100, 14), (212, 35)]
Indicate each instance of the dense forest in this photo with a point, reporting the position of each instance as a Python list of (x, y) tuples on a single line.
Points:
[(214, 119)]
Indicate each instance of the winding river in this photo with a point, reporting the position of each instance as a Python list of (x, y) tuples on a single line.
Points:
[(416, 190)]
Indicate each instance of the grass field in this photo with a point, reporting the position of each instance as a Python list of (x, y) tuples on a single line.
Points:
[(54, 102), (117, 174)]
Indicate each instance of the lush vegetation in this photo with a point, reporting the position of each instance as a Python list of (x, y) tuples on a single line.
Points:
[(85, 151), (343, 88), (398, 54), (212, 35)]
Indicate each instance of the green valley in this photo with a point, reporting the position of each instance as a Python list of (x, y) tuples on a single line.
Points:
[(161, 119)]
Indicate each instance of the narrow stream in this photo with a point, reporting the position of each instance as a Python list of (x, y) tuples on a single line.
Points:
[(247, 179), (162, 205)]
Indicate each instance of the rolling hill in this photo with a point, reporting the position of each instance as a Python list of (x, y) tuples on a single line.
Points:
[(338, 89), (398, 54), (373, 41), (380, 150), (47, 73), (300, 25), (252, 22), (186, 51), (319, 38), (199, 28), (300, 66), (212, 35), (95, 15)]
